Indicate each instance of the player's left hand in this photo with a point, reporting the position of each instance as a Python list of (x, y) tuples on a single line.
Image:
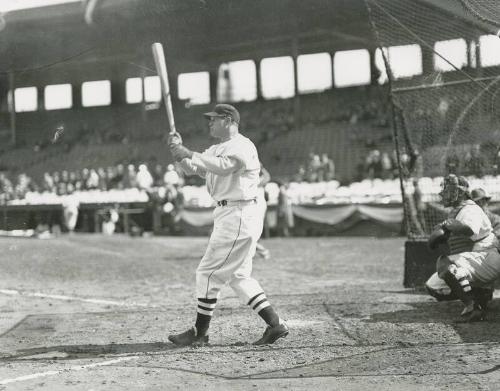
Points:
[(180, 152), (174, 138)]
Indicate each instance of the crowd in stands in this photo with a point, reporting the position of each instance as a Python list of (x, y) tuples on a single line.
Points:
[(318, 168), (67, 182)]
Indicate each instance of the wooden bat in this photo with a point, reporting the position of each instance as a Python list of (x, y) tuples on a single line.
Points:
[(161, 69)]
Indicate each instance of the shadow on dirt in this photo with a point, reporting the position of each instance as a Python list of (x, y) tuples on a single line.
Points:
[(71, 352), (447, 313)]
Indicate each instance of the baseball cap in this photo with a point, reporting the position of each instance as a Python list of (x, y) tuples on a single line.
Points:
[(224, 110), (479, 194)]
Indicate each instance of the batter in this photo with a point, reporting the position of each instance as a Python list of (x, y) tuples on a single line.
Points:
[(231, 171)]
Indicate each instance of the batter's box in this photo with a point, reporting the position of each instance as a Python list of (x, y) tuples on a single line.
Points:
[(101, 333)]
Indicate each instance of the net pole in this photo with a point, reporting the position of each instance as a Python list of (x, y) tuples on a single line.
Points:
[(395, 134)]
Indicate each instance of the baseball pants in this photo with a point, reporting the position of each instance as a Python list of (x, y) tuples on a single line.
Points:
[(481, 267), (231, 248)]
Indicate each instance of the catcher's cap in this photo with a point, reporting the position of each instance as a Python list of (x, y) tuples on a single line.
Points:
[(479, 194), (224, 110)]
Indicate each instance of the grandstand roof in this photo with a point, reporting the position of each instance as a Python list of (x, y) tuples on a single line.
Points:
[(195, 32), (198, 31)]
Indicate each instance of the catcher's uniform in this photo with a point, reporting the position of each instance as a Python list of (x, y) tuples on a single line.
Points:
[(231, 170), (477, 256)]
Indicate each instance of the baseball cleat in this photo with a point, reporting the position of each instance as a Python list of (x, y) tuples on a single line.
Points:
[(475, 314), (272, 334), (188, 338)]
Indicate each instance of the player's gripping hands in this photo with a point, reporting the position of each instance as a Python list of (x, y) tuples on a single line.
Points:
[(178, 150)]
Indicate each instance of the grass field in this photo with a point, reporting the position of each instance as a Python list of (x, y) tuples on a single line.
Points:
[(88, 312)]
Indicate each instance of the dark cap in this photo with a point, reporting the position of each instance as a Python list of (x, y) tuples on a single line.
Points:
[(224, 110), (479, 194)]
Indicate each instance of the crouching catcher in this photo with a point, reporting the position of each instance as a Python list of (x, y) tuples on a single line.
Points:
[(470, 261)]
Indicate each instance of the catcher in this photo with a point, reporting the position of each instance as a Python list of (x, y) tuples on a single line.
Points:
[(470, 260)]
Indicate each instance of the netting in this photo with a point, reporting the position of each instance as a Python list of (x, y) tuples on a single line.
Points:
[(442, 61)]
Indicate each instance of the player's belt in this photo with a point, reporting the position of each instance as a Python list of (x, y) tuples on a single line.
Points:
[(237, 202)]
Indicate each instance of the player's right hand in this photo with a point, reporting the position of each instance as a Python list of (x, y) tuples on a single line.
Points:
[(174, 139)]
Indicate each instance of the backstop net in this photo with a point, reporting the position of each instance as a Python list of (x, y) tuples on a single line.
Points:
[(441, 60)]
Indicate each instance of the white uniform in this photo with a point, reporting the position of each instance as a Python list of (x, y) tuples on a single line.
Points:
[(231, 170), (481, 265), (483, 262), (70, 206)]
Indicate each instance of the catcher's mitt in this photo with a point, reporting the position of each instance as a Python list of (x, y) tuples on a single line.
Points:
[(438, 236)]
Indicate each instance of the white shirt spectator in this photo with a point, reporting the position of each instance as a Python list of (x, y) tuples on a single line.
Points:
[(171, 176), (93, 180), (144, 178)]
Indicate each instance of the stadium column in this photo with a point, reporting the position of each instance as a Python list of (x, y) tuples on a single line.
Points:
[(258, 80), (374, 71), (475, 57), (117, 91), (144, 116), (427, 60), (76, 90), (213, 74), (296, 99), (40, 99), (12, 109)]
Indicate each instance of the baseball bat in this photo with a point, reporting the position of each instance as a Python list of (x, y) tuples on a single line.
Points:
[(161, 69)]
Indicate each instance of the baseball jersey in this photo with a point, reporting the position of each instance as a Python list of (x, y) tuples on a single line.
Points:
[(474, 217), (231, 169)]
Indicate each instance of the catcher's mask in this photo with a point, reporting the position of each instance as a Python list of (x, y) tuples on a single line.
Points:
[(454, 189)]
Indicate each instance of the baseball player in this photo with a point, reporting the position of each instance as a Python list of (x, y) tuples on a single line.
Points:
[(231, 171), (480, 197), (264, 178), (473, 260)]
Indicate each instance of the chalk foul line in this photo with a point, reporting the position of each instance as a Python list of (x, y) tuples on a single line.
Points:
[(69, 369), (13, 292)]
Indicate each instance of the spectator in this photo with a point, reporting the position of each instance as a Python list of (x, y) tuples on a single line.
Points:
[(285, 214), (172, 207), (158, 175), (93, 181), (65, 176), (373, 165), (48, 183), (111, 177), (480, 197), (70, 206), (102, 180), (475, 162), (496, 163), (171, 176), (386, 166), (110, 218), (313, 167), (24, 185), (301, 174), (85, 177), (6, 188), (131, 177), (264, 178), (327, 168), (144, 178), (72, 178), (452, 163), (119, 179)]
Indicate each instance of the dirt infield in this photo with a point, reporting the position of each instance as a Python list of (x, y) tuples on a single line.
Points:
[(88, 312)]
